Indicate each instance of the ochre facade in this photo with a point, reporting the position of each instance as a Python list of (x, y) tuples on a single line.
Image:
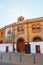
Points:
[(28, 30)]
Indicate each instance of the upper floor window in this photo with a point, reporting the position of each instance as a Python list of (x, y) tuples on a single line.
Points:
[(9, 35), (8, 31), (36, 28), (20, 29)]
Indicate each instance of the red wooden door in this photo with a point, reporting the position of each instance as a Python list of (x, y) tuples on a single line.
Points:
[(6, 48), (37, 48), (20, 47)]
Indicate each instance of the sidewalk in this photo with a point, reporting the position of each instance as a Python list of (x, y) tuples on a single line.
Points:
[(18, 63), (21, 59)]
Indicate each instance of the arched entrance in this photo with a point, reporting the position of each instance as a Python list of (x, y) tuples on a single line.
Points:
[(20, 45), (37, 39)]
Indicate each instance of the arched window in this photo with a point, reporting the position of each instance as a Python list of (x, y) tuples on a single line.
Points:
[(21, 18), (36, 28), (37, 39)]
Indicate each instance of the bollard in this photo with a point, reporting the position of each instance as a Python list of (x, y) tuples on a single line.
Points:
[(10, 56), (1, 56), (20, 57), (34, 58)]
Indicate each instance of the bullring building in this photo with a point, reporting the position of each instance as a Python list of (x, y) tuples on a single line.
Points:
[(22, 32)]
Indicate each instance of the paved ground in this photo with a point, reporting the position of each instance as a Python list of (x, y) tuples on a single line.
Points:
[(2, 63), (14, 59), (20, 63)]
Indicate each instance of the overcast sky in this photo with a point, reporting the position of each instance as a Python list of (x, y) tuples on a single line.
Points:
[(10, 10)]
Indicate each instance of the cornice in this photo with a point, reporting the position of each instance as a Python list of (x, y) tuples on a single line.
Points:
[(27, 21)]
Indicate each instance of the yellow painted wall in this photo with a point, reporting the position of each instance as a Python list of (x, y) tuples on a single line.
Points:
[(28, 34)]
